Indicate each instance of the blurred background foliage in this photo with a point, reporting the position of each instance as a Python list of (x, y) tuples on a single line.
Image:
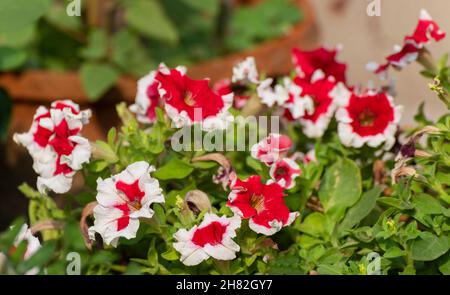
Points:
[(115, 37)]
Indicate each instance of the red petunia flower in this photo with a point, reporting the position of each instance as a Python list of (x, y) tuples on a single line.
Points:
[(188, 101), (271, 148), (284, 172), (308, 62), (370, 118), (262, 204)]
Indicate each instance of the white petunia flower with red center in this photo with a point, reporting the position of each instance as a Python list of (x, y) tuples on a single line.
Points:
[(56, 146), (323, 92), (263, 204), (426, 31), (369, 118), (188, 101), (123, 199), (32, 246), (245, 72), (271, 148), (308, 62), (284, 172), (212, 238), (147, 97), (225, 87)]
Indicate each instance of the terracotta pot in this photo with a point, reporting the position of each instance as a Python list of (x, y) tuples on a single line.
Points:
[(30, 88)]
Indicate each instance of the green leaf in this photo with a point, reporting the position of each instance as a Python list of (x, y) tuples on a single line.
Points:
[(315, 224), (97, 79), (427, 204), (325, 269), (396, 203), (174, 169), (170, 255), (40, 258), (97, 45), (429, 247), (129, 54), (11, 58), (17, 14), (361, 209), (29, 192), (444, 264), (7, 238), (394, 252), (340, 188), (149, 18)]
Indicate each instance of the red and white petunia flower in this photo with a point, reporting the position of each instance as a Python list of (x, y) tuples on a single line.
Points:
[(297, 104), (55, 144), (271, 148), (369, 118), (272, 95), (225, 87), (212, 238), (122, 200), (263, 204), (308, 62), (284, 172), (32, 246), (324, 92), (426, 30), (188, 101), (245, 72), (310, 157), (147, 97)]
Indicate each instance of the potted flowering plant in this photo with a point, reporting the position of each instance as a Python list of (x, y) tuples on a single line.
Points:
[(194, 183)]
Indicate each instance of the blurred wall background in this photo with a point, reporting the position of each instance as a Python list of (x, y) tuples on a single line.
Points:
[(368, 38)]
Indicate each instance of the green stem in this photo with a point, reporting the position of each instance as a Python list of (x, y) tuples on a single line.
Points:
[(223, 266)]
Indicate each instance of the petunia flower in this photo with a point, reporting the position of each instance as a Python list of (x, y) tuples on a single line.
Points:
[(284, 172), (212, 238), (308, 62), (32, 246), (297, 104), (226, 87), (271, 148), (310, 157), (245, 72), (263, 204), (369, 118), (426, 31), (123, 199), (323, 92), (55, 144), (147, 97), (188, 101)]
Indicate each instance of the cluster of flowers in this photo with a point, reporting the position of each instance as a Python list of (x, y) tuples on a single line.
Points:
[(318, 92), (125, 199), (426, 30)]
